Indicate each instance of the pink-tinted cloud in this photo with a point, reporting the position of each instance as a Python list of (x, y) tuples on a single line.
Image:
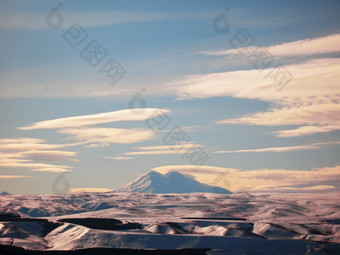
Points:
[(160, 152), (119, 158), (273, 149), (49, 155), (108, 136), (268, 188), (312, 46), (246, 180), (13, 176), (95, 119), (28, 153), (313, 81), (318, 118), (182, 148), (79, 190), (24, 144), (306, 130), (310, 99), (312, 146), (53, 169), (320, 114)]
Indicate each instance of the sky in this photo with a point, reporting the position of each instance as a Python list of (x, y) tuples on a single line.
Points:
[(239, 94)]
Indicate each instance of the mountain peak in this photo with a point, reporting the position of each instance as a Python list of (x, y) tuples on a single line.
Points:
[(5, 193), (172, 182)]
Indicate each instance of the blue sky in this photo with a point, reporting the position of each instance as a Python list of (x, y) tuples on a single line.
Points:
[(61, 117)]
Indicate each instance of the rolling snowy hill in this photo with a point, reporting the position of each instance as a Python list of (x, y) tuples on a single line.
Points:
[(142, 223), (172, 182)]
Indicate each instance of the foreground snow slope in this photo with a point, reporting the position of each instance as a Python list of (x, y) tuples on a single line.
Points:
[(239, 223)]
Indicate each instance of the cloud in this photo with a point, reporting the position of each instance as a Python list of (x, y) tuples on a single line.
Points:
[(273, 149), (40, 81), (14, 176), (312, 46), (24, 140), (52, 170), (306, 130), (314, 80), (318, 118), (119, 158), (26, 152), (108, 136), (246, 180), (99, 118), (282, 149), (166, 147), (78, 190), (267, 188), (50, 155), (182, 148), (191, 168), (24, 143), (327, 143), (79, 127), (32, 164), (311, 99), (36, 20), (315, 114), (160, 152)]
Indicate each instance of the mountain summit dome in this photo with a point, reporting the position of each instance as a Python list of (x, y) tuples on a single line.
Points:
[(172, 182)]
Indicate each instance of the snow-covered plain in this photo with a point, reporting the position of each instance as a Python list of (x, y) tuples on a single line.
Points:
[(239, 223)]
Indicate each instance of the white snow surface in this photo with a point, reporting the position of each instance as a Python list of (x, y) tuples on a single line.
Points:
[(238, 223)]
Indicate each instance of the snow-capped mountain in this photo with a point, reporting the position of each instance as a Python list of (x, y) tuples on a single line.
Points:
[(172, 182)]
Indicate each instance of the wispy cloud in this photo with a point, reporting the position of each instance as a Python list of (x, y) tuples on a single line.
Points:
[(30, 153), (182, 148), (313, 80), (245, 180), (38, 167), (312, 46), (160, 152), (119, 158), (166, 147), (282, 149), (36, 20), (80, 127), (266, 188), (27, 152), (78, 190), (306, 130), (106, 136), (315, 114), (13, 176), (28, 144), (53, 168), (50, 155), (95, 119), (311, 99), (273, 149), (36, 82), (317, 118)]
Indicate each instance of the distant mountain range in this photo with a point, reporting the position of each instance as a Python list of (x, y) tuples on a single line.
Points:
[(4, 193), (172, 182)]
